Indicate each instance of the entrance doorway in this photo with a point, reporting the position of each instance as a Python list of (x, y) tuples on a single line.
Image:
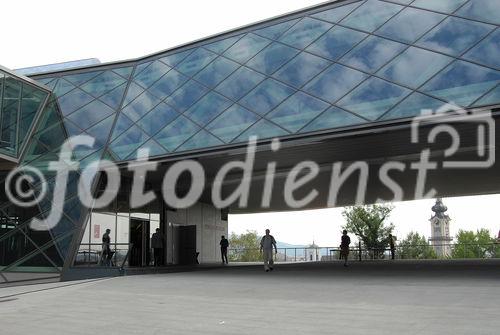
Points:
[(184, 245), (139, 238)]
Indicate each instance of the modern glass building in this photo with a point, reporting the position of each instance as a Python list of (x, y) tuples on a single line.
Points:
[(323, 71)]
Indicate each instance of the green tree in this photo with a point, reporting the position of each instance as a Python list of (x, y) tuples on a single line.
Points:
[(475, 245), (415, 246), (369, 224), (244, 247)]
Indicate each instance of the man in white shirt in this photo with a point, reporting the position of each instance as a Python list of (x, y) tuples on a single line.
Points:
[(266, 244)]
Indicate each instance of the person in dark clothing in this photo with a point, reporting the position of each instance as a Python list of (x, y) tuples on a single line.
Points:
[(106, 248), (391, 246), (224, 244), (157, 245), (344, 246)]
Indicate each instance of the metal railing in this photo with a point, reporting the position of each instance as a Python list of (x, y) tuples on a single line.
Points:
[(91, 254), (360, 253)]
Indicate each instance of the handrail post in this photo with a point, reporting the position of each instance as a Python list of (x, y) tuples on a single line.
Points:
[(359, 248)]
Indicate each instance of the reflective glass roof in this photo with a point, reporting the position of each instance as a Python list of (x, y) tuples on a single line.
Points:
[(337, 65)]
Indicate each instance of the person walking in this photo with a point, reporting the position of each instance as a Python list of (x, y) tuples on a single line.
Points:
[(344, 246), (266, 247), (391, 246), (157, 245), (224, 244), (106, 248)]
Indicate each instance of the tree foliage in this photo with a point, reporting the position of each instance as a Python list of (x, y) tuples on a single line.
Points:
[(244, 247), (477, 244), (415, 246), (369, 224)]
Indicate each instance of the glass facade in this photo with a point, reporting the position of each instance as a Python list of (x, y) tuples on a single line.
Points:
[(20, 101), (338, 65)]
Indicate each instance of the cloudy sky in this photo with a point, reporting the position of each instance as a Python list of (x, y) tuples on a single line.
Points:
[(50, 31)]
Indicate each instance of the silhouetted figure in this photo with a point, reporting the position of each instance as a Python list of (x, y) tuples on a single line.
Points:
[(157, 245), (266, 245), (106, 248), (391, 246), (344, 246), (224, 244)]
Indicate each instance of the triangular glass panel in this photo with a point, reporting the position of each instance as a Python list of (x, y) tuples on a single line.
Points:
[(462, 83), (336, 14), (414, 67), (267, 95), (158, 118), (154, 150), (305, 32), (334, 82), (410, 24), (216, 71), (232, 122), (201, 140), (207, 108), (139, 68), (372, 53), (128, 142), (413, 106), (371, 15), (239, 83), (186, 95), (487, 51), (445, 6), (73, 101), (141, 106), (483, 10), (62, 87), (333, 118), (222, 45), (101, 131), (174, 59), (195, 61), (151, 74), (336, 42), (167, 84), (102, 84), (81, 78), (125, 72), (91, 114), (301, 69), (295, 112), (373, 98), (114, 98), (122, 124), (52, 137), (492, 98), (50, 116), (51, 84), (176, 133), (455, 35), (262, 129), (133, 92), (272, 58), (275, 31), (246, 48), (71, 128)]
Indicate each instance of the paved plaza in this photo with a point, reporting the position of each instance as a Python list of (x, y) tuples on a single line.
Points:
[(310, 298)]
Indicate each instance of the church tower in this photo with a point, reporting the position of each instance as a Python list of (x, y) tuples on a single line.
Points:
[(440, 230)]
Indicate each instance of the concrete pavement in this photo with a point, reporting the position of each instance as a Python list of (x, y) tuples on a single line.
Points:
[(324, 298)]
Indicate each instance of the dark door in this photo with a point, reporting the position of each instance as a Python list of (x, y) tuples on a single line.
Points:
[(187, 245), (139, 238)]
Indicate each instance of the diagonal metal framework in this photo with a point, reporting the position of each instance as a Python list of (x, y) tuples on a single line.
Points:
[(339, 66)]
